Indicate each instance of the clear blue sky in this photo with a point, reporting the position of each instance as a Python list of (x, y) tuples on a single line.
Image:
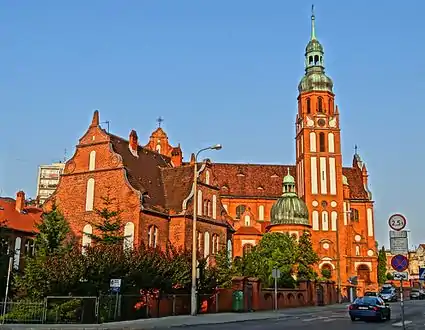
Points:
[(217, 71)]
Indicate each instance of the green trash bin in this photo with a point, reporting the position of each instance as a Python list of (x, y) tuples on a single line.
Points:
[(237, 301)]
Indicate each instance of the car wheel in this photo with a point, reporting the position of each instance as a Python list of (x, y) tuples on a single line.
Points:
[(389, 316), (381, 317), (352, 318)]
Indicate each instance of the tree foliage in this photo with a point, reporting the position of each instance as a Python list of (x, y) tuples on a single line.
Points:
[(53, 235), (306, 257), (382, 266), (4, 257), (108, 229)]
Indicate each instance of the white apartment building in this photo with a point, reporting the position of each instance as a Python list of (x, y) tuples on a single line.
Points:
[(48, 179)]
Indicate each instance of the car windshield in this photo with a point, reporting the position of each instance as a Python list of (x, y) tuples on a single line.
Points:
[(366, 301), (370, 294), (386, 290), (415, 290)]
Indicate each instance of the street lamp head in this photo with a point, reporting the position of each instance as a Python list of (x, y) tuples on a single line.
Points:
[(217, 147)]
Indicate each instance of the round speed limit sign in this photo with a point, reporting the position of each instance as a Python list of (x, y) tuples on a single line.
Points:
[(397, 222)]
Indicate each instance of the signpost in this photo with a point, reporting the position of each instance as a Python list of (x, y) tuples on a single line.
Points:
[(399, 247), (115, 285), (422, 274), (276, 275)]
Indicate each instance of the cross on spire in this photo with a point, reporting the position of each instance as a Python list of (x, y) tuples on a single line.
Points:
[(159, 121), (355, 149)]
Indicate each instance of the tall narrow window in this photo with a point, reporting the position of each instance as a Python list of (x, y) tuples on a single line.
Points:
[(325, 221), (247, 248), (90, 195), (214, 207), (158, 148), (17, 258), (261, 212), (322, 142), (214, 243), (199, 242), (209, 209), (207, 177), (206, 244), (320, 104), (354, 215), (152, 236), (240, 209), (205, 211), (247, 220), (87, 231), (308, 106), (92, 160), (229, 250), (199, 202), (128, 236)]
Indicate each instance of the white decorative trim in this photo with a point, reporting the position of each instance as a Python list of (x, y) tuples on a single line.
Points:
[(326, 262), (248, 241)]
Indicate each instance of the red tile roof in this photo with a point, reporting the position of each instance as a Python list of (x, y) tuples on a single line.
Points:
[(248, 231), (23, 221), (258, 180)]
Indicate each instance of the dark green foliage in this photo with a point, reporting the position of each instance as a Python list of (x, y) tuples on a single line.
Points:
[(108, 230), (4, 257), (382, 266), (389, 277), (326, 273), (54, 234), (306, 258)]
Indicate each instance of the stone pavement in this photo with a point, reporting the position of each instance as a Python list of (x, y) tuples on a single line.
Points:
[(187, 320)]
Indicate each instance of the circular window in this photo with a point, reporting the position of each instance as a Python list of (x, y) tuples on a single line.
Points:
[(324, 203), (326, 246), (321, 122), (315, 203), (357, 238)]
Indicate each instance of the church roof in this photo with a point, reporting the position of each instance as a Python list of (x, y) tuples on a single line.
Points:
[(24, 221), (262, 180)]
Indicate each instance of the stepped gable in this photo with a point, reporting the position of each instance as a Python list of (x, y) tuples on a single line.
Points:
[(245, 180)]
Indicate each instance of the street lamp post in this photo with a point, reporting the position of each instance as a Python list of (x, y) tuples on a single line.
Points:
[(9, 272), (194, 238)]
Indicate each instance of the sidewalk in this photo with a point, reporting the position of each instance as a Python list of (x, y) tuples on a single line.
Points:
[(185, 320)]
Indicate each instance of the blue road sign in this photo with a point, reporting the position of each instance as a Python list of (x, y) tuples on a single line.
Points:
[(422, 273), (399, 263)]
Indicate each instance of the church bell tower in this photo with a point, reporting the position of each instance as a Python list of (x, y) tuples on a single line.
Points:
[(318, 148)]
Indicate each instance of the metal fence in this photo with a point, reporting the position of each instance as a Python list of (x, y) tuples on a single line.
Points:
[(105, 308)]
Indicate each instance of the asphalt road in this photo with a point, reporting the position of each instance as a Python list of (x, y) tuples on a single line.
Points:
[(332, 320)]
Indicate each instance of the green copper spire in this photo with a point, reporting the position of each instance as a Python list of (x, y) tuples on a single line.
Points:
[(313, 27), (315, 78)]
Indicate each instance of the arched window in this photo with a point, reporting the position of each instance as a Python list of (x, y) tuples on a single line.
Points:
[(229, 249), (152, 236), (87, 231), (205, 209), (312, 141), (325, 221), (322, 142), (327, 271), (308, 106), (240, 209), (363, 272), (92, 160), (319, 104), (215, 243), (209, 209), (331, 142), (90, 195), (206, 244), (200, 242), (207, 177), (247, 248), (261, 212), (17, 258), (214, 207), (199, 202), (247, 220), (128, 236), (357, 251), (158, 148), (354, 215)]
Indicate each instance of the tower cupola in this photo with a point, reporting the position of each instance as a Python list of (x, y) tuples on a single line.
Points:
[(315, 78)]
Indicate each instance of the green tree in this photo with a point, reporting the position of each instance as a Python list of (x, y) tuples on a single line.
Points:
[(275, 250), (382, 266), (389, 276), (326, 273), (108, 229), (306, 258), (224, 269), (4, 257), (53, 235)]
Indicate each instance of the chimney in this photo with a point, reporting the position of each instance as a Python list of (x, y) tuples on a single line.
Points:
[(20, 201), (192, 159), (133, 142)]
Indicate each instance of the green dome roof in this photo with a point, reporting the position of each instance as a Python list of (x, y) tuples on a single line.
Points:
[(315, 80), (314, 46), (289, 209)]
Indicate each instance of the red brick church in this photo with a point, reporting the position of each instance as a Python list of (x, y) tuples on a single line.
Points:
[(237, 203)]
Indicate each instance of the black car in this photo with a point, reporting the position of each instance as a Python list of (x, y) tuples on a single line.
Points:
[(369, 308), (371, 294)]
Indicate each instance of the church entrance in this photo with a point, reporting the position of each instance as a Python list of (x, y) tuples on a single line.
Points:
[(363, 273)]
